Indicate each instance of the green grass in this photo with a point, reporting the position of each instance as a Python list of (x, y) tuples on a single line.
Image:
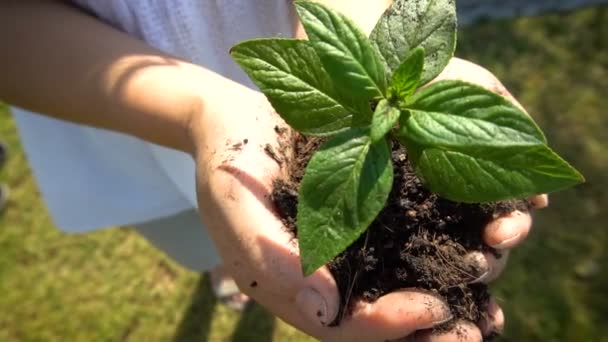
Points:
[(555, 287), (110, 285)]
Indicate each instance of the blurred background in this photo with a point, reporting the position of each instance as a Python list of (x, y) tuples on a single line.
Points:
[(111, 286)]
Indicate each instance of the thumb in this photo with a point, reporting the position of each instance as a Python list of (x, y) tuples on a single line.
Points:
[(319, 300)]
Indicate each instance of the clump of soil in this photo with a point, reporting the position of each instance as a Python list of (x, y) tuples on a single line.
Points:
[(418, 240)]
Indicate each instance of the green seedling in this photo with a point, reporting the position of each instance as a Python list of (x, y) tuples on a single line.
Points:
[(466, 143)]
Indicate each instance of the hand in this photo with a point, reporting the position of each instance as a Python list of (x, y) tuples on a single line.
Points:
[(234, 175)]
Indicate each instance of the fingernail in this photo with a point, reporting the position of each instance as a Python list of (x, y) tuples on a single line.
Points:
[(507, 242), (312, 305), (481, 266), (481, 278), (444, 317), (507, 230), (539, 201), (438, 322), (436, 306), (492, 323)]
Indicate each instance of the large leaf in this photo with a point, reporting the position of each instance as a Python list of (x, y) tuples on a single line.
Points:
[(290, 74), (485, 177), (345, 186), (471, 145), (472, 101), (445, 130), (384, 119), (346, 53), (408, 24)]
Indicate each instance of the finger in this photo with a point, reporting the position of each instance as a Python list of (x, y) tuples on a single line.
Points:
[(539, 201), (487, 265), (507, 231), (494, 320), (265, 261), (498, 263), (319, 300), (462, 332), (393, 316)]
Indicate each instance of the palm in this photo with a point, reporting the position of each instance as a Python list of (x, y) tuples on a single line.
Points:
[(237, 160)]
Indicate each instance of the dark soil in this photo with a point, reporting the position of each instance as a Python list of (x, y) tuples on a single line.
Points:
[(418, 240)]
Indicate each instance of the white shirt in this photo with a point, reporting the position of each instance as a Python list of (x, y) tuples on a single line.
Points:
[(92, 178)]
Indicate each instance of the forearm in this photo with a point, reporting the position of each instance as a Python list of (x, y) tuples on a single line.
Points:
[(61, 62)]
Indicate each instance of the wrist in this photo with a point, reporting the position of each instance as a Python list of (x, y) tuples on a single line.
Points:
[(217, 111), (211, 93)]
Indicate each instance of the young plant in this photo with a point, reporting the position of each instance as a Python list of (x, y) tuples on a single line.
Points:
[(466, 143)]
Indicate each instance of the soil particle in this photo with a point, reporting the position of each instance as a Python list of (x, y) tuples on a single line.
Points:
[(284, 197), (236, 146), (280, 130), (419, 240), (272, 154)]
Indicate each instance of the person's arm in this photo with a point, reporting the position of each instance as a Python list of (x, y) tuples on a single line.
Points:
[(64, 63), (59, 61)]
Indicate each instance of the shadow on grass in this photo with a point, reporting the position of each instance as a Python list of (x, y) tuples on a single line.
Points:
[(256, 324), (196, 322)]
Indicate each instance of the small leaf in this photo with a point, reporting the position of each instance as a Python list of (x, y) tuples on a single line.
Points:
[(515, 173), (346, 54), (407, 77), (384, 119), (290, 74), (472, 101), (408, 24), (346, 184)]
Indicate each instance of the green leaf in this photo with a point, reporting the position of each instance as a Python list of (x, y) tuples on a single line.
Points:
[(472, 101), (471, 145), (466, 134), (408, 24), (407, 77), (346, 184), (384, 119), (515, 173), (346, 54), (290, 74)]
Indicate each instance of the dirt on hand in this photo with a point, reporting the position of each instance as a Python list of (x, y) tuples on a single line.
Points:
[(419, 240)]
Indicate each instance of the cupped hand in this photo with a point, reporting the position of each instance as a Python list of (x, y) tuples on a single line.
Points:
[(238, 155)]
